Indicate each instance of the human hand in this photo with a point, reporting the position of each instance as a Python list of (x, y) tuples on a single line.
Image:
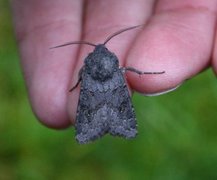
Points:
[(179, 38)]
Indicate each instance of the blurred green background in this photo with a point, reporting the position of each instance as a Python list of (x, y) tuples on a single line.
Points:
[(177, 133)]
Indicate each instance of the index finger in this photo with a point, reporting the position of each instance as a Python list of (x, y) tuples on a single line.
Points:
[(40, 25)]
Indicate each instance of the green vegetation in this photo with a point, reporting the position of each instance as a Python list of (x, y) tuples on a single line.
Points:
[(177, 139)]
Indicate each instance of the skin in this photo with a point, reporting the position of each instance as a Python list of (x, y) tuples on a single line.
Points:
[(178, 37)]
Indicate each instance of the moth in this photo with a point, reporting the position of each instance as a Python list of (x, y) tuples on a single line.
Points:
[(104, 103)]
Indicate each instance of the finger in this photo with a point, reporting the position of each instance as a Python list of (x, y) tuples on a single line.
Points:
[(178, 40), (40, 25), (103, 18)]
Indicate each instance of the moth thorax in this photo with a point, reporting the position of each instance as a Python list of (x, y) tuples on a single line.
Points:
[(103, 69)]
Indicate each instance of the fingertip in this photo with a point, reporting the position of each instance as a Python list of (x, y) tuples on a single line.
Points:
[(175, 71), (52, 117), (48, 101)]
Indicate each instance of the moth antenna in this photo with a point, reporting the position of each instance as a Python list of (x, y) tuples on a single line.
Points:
[(120, 31), (74, 42)]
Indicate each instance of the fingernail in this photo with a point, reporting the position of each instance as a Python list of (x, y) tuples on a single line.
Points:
[(162, 92)]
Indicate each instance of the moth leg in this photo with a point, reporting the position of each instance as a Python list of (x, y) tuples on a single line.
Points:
[(124, 69), (79, 80)]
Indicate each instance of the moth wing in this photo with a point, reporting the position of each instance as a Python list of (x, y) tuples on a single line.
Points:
[(92, 113), (123, 122), (104, 107)]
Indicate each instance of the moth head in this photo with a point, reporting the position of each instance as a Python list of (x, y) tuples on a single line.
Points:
[(101, 63)]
